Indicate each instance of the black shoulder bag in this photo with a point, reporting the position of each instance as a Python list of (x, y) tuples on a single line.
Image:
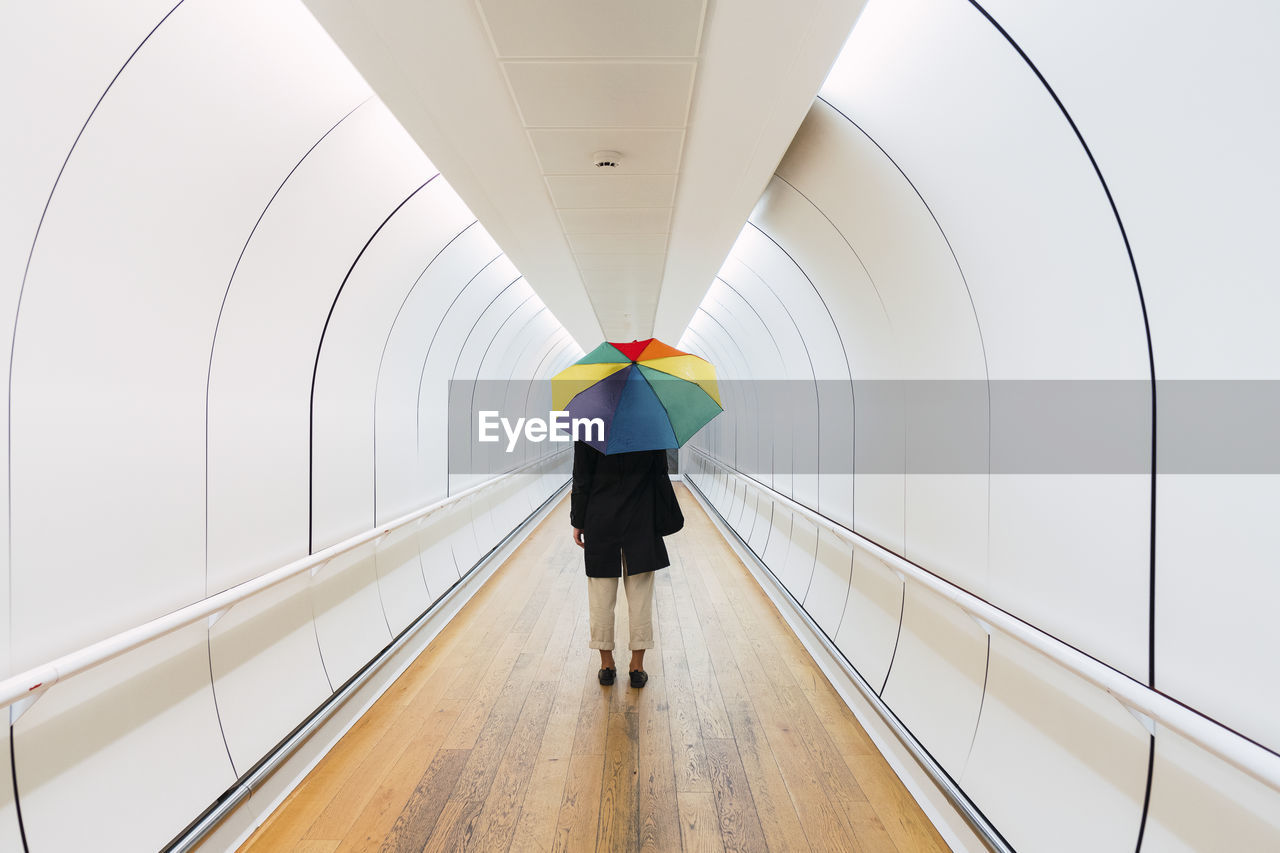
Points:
[(666, 509)]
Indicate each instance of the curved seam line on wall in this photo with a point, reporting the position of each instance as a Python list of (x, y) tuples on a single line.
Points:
[(982, 701), (982, 343), (848, 369), (772, 340), (530, 334), (713, 353), (870, 278), (852, 395), (524, 348), (557, 347), (741, 355), (897, 638), (791, 529), (816, 395), (813, 371), (703, 441), (529, 327), (311, 418), (874, 287), (986, 369), (717, 355), (13, 774), (222, 307), (426, 357), (315, 370), (13, 346), (22, 287), (454, 373), (773, 507), (208, 382), (489, 346), (848, 588), (1142, 302), (1146, 800), (497, 332), (888, 319), (755, 516), (695, 347), (723, 356), (378, 378), (381, 358), (552, 348), (417, 403), (721, 353), (745, 363), (1151, 360)]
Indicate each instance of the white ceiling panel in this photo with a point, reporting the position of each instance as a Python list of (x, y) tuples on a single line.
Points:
[(594, 27), (610, 280), (638, 220), (601, 94), (622, 319), (618, 260), (636, 244), (622, 303), (608, 190), (643, 151)]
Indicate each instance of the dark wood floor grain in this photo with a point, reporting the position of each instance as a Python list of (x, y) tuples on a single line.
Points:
[(417, 820)]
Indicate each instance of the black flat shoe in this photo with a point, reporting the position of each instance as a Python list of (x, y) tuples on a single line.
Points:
[(606, 675), (639, 677)]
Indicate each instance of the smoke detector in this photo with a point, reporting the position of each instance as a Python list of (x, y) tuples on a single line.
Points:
[(606, 159)]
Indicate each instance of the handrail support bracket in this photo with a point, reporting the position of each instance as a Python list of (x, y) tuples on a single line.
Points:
[(21, 706)]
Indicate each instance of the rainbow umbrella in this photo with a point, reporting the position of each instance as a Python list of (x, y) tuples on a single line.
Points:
[(649, 395)]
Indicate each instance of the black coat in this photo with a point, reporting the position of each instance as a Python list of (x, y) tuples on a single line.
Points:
[(612, 503)]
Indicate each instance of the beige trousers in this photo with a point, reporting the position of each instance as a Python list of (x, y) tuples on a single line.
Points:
[(602, 595)]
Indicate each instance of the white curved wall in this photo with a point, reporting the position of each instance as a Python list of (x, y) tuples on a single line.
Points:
[(235, 291), (1024, 192), (235, 294)]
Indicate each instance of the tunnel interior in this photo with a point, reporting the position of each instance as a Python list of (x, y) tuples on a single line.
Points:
[(1004, 308)]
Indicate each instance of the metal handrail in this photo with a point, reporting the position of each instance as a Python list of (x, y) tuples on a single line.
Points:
[(1230, 746), (31, 683)]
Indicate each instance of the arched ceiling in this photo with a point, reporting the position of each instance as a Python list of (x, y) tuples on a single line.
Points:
[(510, 99)]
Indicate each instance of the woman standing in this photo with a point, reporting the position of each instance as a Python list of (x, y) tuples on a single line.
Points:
[(612, 512)]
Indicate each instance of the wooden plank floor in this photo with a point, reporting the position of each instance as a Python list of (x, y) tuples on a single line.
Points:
[(499, 738)]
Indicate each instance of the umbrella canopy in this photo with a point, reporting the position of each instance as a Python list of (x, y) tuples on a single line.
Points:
[(649, 395)]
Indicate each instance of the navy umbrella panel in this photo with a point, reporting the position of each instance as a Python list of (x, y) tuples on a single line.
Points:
[(631, 412)]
